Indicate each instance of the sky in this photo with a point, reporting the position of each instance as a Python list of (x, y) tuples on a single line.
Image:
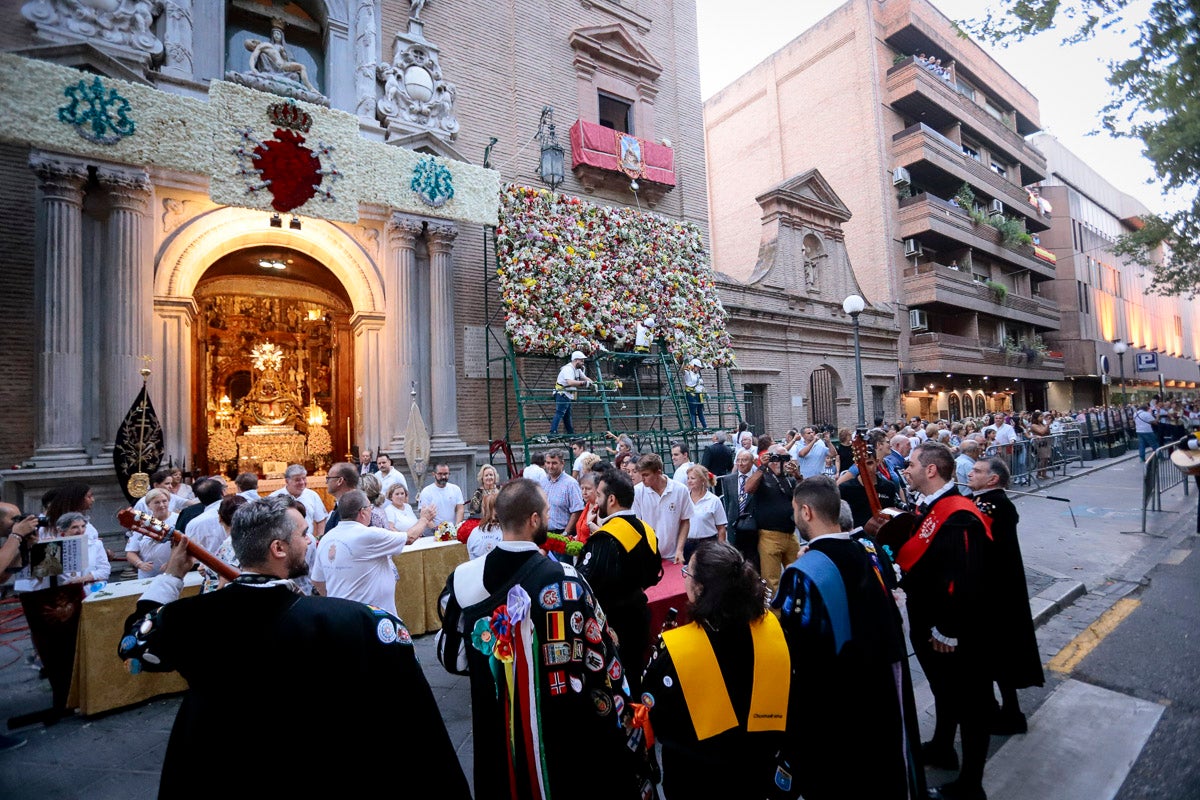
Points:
[(1068, 81)]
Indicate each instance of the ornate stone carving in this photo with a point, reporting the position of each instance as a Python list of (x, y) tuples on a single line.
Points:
[(271, 69), (368, 238), (177, 37), (416, 97), (174, 213), (58, 178), (131, 183), (366, 56), (405, 229), (122, 27), (441, 236)]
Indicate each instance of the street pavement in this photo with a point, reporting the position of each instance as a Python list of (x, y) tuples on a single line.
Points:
[(1107, 726)]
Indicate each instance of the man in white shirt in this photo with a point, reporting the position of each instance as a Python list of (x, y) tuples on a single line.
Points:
[(444, 496), (665, 505), (1143, 426), (247, 484), (570, 378), (355, 561), (388, 475), (746, 444), (205, 530), (809, 452), (579, 450), (968, 453), (1005, 433), (679, 457), (533, 470), (296, 485)]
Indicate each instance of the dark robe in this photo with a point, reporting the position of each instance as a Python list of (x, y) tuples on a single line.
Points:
[(287, 693), (1015, 661), (854, 493), (732, 764), (859, 700), (579, 707)]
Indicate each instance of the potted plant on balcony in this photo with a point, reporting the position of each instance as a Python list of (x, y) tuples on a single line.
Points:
[(1012, 351), (999, 291)]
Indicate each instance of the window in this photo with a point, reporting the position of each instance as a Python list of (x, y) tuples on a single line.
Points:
[(966, 89), (1000, 169), (971, 151), (616, 113)]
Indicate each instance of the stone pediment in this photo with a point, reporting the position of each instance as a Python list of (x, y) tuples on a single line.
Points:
[(86, 58), (428, 142), (615, 45), (807, 192)]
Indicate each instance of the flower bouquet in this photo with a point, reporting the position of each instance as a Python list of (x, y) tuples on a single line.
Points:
[(560, 543), (446, 532)]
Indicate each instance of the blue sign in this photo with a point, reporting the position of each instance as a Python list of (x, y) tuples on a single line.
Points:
[(1147, 362)]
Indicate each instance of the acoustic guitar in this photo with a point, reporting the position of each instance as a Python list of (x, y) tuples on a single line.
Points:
[(901, 524), (147, 525), (1188, 461)]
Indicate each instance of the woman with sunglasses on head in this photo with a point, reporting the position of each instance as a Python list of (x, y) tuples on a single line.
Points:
[(719, 687)]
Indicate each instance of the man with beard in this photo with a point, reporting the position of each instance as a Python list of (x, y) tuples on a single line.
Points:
[(1016, 662), (945, 579), (249, 652), (620, 561), (552, 711), (843, 626)]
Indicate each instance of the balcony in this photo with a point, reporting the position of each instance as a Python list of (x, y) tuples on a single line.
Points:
[(600, 159), (921, 95), (939, 285), (945, 226), (944, 352), (933, 159)]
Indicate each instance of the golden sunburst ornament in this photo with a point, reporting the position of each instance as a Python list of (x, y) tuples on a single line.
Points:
[(266, 355)]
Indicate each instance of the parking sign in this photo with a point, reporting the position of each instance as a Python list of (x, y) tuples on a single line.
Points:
[(1147, 362)]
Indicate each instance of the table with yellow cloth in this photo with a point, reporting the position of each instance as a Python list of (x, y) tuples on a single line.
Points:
[(100, 681), (424, 566)]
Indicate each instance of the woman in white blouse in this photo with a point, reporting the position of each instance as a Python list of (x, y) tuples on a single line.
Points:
[(708, 513), (400, 516), (145, 554)]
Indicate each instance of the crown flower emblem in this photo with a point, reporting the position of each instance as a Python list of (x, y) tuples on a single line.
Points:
[(289, 115)]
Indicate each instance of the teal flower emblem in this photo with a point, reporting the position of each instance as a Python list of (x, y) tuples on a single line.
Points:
[(98, 114), (482, 637), (432, 182)]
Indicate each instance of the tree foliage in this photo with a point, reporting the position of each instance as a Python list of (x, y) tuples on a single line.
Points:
[(1155, 100)]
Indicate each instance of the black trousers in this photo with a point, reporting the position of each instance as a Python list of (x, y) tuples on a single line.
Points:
[(962, 694)]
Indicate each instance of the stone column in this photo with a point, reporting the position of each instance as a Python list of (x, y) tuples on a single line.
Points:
[(400, 288), (58, 298), (177, 37), (125, 293), (443, 376), (171, 386)]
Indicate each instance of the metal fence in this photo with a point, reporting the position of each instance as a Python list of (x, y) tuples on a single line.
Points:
[(1040, 458), (1160, 475)]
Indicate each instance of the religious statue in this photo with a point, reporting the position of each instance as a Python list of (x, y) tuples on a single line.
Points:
[(272, 69), (416, 97), (415, 7), (273, 58), (272, 400)]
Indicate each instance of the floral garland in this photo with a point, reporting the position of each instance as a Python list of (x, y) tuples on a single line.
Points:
[(222, 445), (559, 543), (319, 443), (578, 276)]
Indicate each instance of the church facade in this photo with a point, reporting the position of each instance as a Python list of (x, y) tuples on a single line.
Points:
[(284, 206)]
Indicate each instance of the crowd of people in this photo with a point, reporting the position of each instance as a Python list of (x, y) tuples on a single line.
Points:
[(794, 580)]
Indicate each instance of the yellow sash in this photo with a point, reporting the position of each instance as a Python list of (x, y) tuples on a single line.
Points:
[(627, 535), (704, 689)]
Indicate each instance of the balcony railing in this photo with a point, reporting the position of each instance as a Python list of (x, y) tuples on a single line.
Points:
[(597, 149), (927, 213), (937, 283), (913, 89), (944, 352), (920, 142)]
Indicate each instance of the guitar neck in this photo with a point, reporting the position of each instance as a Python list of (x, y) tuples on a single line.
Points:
[(143, 523), (206, 558)]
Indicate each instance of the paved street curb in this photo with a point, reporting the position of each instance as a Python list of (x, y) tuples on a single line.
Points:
[(1053, 599)]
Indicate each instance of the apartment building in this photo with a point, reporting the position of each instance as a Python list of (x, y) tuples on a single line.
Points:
[(923, 136)]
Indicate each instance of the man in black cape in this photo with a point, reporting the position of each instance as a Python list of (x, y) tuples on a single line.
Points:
[(275, 677), (845, 635), (1016, 661)]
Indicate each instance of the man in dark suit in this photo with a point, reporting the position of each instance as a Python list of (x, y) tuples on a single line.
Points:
[(739, 507), (717, 458), (1016, 661), (366, 463), (945, 578)]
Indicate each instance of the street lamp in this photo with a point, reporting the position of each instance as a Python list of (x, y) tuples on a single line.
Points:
[(1120, 348), (854, 305), (551, 167)]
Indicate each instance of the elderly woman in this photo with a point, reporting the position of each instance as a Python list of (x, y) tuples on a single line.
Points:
[(373, 488), (400, 516), (144, 554), (708, 514), (702, 678), (72, 523)]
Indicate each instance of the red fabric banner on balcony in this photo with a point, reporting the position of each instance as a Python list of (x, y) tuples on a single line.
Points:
[(1045, 255), (600, 147)]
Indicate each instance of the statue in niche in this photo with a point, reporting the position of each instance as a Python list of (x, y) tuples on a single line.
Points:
[(814, 254), (272, 69)]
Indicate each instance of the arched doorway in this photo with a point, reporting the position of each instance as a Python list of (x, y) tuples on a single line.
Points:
[(273, 352), (823, 391), (955, 407)]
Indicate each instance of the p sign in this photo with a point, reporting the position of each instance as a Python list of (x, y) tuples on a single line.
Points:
[(1147, 362)]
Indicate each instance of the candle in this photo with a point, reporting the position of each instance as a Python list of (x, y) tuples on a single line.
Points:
[(347, 433)]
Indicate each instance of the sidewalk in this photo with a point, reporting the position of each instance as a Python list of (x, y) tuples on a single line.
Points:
[(1082, 569)]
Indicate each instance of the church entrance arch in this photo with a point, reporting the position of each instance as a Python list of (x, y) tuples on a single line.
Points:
[(218, 294)]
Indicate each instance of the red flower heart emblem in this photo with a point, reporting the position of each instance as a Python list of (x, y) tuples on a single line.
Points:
[(292, 169)]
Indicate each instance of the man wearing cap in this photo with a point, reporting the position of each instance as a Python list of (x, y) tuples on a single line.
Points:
[(693, 388), (570, 377)]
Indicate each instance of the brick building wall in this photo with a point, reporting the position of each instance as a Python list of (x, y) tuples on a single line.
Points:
[(18, 333)]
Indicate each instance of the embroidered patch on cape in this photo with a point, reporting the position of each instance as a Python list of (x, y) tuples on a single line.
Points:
[(577, 622), (593, 631), (556, 653), (550, 597), (386, 631), (572, 590), (558, 682), (556, 629)]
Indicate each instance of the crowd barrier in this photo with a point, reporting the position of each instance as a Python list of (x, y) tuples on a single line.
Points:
[(1160, 475), (1040, 458)]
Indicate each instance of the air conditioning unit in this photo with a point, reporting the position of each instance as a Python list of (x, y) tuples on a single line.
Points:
[(901, 178), (912, 247), (918, 320), (996, 207)]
